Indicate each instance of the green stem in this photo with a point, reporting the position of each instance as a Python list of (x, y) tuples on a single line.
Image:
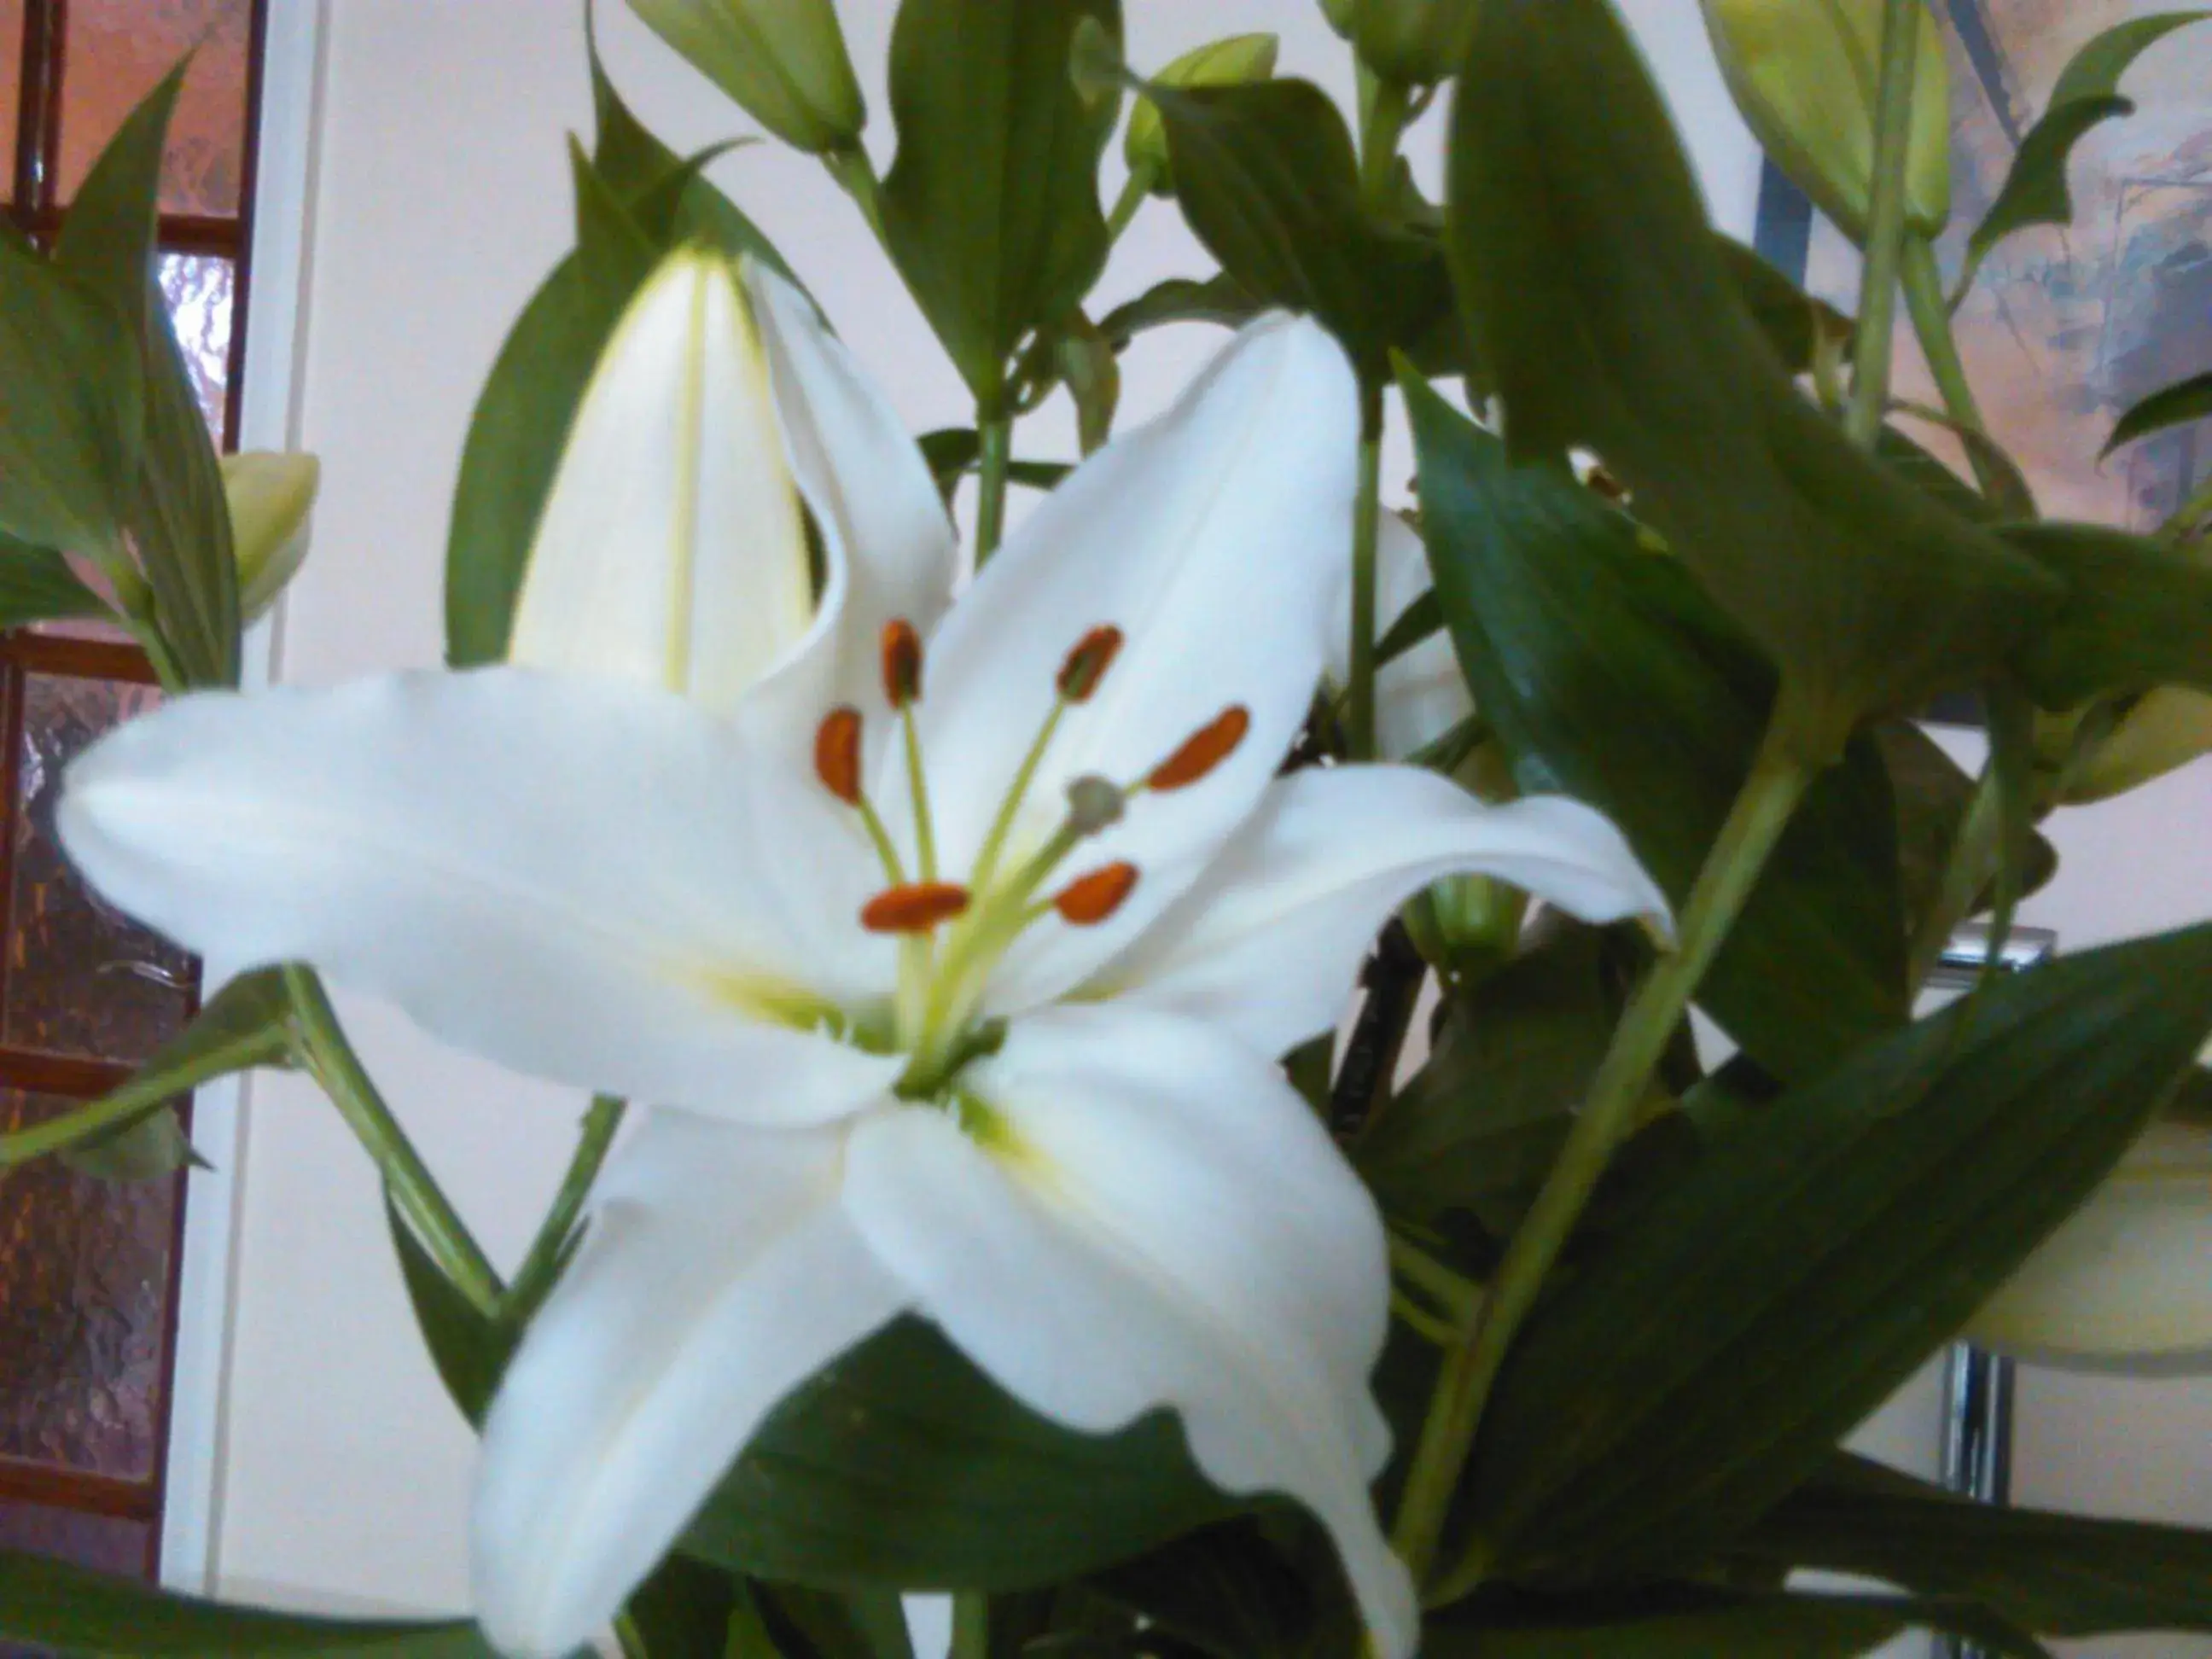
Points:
[(1762, 810), (856, 176), (326, 1054), (1385, 125), (1133, 196), (1366, 532), (1877, 324), (1452, 1290), (2192, 513), (534, 1280), (1967, 871), (971, 1626), (997, 435), (1931, 322)]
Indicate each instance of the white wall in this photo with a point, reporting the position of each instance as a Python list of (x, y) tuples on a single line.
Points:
[(439, 198)]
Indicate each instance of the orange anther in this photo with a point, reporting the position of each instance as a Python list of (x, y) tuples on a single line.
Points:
[(1087, 663), (837, 754), (1206, 748), (914, 907), (901, 663), (1089, 900)]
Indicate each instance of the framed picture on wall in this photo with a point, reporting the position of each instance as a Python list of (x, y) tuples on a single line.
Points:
[(2064, 328)]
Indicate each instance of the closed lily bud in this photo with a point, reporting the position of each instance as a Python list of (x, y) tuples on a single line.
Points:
[(1805, 77), (1414, 42), (784, 61), (1229, 61), (272, 506), (2164, 729)]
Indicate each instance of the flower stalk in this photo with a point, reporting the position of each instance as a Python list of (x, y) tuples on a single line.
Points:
[(548, 1251), (1366, 529), (996, 457), (1762, 811), (1886, 227)]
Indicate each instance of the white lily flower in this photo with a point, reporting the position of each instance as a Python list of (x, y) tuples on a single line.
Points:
[(972, 1013), (2121, 1286), (1420, 694)]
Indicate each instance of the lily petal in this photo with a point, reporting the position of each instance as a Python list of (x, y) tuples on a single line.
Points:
[(1267, 943), (1214, 538), (589, 881), (671, 550), (2126, 1283), (887, 542), (1420, 694), (718, 1273), (1153, 1217)]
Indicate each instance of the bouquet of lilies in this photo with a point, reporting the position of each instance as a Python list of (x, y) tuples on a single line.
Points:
[(1016, 1168)]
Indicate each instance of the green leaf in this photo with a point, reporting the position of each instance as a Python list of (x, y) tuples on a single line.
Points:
[(952, 452), (65, 1608), (1601, 303), (1683, 1623), (1932, 795), (152, 1149), (1702, 1361), (36, 585), (685, 1609), (244, 1026), (991, 206), (1609, 675), (1266, 175), (1248, 1589), (1217, 299), (69, 428), (869, 1624), (2062, 1575), (2175, 405), (2138, 614), (2086, 96), (179, 517), (901, 1463), (1482, 1121), (1791, 320), (469, 1351)]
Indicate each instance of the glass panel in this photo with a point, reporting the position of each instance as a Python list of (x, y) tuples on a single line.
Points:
[(198, 288), (11, 81), (83, 978), (117, 51), (84, 1295), (99, 1541)]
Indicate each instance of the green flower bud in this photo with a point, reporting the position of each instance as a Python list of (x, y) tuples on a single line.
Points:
[(1467, 926), (2164, 730), (1226, 63), (272, 505), (1413, 43), (783, 61), (1806, 74)]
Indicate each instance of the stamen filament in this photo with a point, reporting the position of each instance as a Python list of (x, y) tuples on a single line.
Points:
[(886, 849), (994, 843), (917, 783)]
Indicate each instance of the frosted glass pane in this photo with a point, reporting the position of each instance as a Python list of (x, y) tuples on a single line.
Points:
[(83, 978), (84, 1302), (117, 51), (198, 288)]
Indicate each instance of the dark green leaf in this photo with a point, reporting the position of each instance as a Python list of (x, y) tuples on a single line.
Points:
[(521, 421), (1609, 675), (1791, 320), (1685, 1624), (2006, 494), (1483, 1120), (1217, 299), (1243, 1590), (179, 517), (1932, 795), (2086, 96), (866, 1623), (1416, 622), (1267, 176), (901, 1463), (470, 1350), (2138, 614), (2175, 405), (245, 1026), (65, 1608), (1925, 472), (2062, 1575), (684, 1610), (953, 450), (1702, 1361), (1601, 306), (36, 586), (69, 428), (991, 207)]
